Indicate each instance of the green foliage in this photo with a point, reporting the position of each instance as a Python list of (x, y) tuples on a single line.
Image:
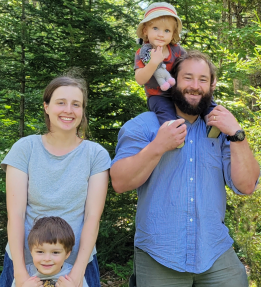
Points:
[(53, 36)]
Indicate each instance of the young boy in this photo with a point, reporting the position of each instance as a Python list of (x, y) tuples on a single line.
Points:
[(161, 28), (50, 241)]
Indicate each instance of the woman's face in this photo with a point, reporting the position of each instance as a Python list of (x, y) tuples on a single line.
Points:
[(65, 109)]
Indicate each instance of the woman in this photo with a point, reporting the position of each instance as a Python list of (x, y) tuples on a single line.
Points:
[(57, 174)]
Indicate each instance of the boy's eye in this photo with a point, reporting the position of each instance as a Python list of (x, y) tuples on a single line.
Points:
[(38, 251), (56, 252)]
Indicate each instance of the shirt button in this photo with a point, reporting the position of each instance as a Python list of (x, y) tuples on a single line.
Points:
[(191, 141), (191, 199), (191, 159), (191, 219), (191, 179)]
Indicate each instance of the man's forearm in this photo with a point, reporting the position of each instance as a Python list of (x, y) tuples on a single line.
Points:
[(244, 167)]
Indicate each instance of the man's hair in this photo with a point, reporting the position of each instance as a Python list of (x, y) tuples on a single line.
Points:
[(196, 55), (51, 230)]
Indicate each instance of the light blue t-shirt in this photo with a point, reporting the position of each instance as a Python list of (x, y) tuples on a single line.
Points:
[(181, 207), (57, 185)]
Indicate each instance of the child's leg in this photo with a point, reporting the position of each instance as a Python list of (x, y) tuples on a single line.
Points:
[(163, 107), (212, 132)]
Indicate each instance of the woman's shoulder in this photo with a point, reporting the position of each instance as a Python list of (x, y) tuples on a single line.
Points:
[(27, 142), (92, 146)]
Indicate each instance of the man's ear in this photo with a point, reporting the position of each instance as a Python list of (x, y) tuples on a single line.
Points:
[(68, 254), (213, 86), (46, 107)]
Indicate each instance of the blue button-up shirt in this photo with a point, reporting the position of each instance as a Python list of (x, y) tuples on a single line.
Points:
[(181, 207)]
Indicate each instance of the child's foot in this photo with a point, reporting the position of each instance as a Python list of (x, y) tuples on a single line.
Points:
[(182, 144), (165, 86), (171, 81), (213, 132)]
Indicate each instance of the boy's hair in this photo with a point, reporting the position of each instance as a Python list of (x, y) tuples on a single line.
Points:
[(196, 55), (175, 38), (52, 230)]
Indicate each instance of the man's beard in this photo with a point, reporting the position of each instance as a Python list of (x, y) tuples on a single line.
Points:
[(179, 99)]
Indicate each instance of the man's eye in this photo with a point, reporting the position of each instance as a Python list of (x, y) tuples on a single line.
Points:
[(187, 78), (203, 80), (60, 103)]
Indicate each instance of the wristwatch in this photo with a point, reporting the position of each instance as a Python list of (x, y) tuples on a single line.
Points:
[(239, 136)]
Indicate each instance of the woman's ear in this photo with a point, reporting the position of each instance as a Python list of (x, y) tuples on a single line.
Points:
[(46, 107)]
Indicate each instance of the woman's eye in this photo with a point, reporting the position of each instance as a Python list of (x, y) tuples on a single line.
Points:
[(77, 105)]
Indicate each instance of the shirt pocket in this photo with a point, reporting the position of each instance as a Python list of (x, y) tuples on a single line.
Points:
[(209, 152)]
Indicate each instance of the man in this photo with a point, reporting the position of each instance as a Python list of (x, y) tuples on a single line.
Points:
[(181, 239)]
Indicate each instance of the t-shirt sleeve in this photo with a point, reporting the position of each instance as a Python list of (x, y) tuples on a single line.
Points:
[(18, 156), (137, 61), (132, 138), (101, 161), (226, 159)]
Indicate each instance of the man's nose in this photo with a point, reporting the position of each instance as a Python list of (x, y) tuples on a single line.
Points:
[(195, 84)]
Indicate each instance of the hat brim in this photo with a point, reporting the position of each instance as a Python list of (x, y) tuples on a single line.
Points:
[(157, 15)]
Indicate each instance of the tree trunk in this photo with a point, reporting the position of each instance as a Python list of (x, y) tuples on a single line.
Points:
[(22, 105)]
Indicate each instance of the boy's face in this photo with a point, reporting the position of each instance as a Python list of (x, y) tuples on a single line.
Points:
[(49, 258), (160, 31)]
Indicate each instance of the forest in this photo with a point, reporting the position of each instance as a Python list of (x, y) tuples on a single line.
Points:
[(96, 38)]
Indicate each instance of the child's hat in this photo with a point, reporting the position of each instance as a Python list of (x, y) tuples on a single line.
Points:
[(156, 10)]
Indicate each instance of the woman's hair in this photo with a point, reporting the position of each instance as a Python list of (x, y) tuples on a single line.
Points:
[(51, 230), (175, 38), (61, 82)]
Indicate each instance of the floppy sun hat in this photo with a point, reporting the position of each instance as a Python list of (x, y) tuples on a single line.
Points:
[(156, 10)]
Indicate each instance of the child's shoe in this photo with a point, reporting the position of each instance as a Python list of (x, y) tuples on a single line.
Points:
[(213, 132), (182, 144)]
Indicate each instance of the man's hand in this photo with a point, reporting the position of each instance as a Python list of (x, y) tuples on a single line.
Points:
[(157, 55), (33, 282), (223, 119), (171, 136), (65, 281)]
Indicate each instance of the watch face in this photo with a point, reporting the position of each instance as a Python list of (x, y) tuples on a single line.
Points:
[(240, 135)]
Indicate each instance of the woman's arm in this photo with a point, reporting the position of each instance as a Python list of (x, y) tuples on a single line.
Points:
[(97, 190), (16, 198)]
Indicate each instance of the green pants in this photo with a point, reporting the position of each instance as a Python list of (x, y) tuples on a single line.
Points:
[(227, 271)]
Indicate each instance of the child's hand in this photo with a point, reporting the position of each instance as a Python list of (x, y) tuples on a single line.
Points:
[(157, 55), (33, 282), (65, 281)]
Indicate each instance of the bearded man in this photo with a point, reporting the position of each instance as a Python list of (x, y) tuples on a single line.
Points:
[(181, 239)]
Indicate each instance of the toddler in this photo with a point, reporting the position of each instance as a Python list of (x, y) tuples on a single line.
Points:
[(50, 242), (161, 28)]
